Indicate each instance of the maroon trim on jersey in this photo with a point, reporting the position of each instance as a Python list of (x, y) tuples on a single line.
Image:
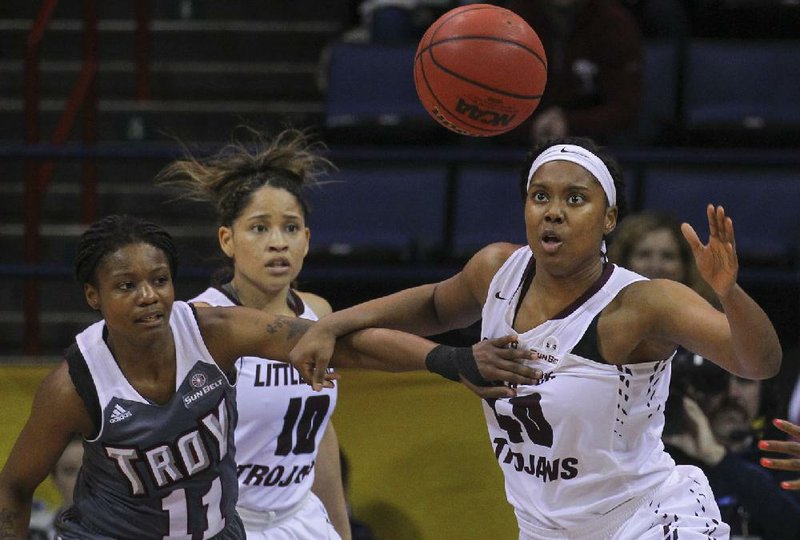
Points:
[(293, 300), (527, 279), (295, 303), (524, 283), (608, 269), (228, 290)]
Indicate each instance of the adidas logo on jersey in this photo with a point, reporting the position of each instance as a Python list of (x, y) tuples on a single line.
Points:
[(119, 414)]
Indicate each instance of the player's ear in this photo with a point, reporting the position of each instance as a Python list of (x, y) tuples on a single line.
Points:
[(92, 298), (610, 222), (225, 236)]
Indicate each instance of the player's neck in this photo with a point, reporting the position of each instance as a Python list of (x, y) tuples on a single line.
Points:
[(274, 302)]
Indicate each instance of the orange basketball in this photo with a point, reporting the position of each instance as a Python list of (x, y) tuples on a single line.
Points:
[(480, 70)]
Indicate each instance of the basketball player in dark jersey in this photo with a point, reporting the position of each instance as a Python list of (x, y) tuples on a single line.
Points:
[(150, 387)]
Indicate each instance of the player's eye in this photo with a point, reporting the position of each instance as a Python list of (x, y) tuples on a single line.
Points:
[(576, 198)]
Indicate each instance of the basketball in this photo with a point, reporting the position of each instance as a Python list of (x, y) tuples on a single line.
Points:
[(480, 70)]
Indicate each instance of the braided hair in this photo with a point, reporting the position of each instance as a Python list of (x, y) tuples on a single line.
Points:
[(113, 232)]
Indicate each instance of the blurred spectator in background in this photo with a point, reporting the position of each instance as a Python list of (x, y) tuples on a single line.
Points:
[(594, 54), (721, 441), (712, 418), (64, 476), (651, 243)]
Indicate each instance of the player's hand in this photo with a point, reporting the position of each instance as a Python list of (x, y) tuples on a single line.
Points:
[(717, 260), (790, 448), (311, 356), (500, 360), (699, 441)]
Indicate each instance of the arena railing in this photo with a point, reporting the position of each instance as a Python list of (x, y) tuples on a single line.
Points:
[(636, 160)]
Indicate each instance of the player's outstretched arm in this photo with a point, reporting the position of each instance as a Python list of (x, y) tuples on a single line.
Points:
[(232, 332), (753, 349), (482, 367), (790, 448)]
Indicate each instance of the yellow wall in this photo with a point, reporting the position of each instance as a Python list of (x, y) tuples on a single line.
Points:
[(422, 467), (421, 464), (17, 386)]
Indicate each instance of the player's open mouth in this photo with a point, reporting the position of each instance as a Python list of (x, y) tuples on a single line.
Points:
[(150, 318), (280, 265), (551, 242)]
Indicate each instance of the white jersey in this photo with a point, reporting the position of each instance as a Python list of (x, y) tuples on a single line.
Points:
[(281, 424), (587, 438)]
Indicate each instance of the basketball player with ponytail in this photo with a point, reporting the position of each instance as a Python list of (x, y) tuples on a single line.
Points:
[(259, 193), (259, 196), (581, 449)]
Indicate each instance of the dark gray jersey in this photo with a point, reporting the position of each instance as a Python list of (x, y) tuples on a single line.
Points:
[(157, 471)]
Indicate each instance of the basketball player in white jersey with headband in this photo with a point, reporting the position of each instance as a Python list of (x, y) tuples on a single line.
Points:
[(581, 450)]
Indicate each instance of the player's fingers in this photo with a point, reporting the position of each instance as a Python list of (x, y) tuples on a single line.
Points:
[(787, 427), (500, 366), (791, 485), (712, 220), (503, 342), (784, 447), (514, 355), (490, 392), (513, 375), (691, 236), (781, 464), (319, 379), (306, 370), (496, 392)]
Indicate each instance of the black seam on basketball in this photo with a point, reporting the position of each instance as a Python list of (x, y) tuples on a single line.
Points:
[(481, 85), (483, 131), (430, 45), (466, 10), (439, 102)]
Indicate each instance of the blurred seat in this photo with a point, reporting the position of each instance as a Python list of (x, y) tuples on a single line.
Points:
[(372, 85), (379, 213), (762, 204), (742, 90), (659, 108), (487, 208)]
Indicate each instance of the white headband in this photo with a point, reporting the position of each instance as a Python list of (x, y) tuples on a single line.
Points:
[(584, 158)]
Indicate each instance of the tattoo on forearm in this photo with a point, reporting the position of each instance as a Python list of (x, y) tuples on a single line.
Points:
[(295, 327), (7, 520)]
